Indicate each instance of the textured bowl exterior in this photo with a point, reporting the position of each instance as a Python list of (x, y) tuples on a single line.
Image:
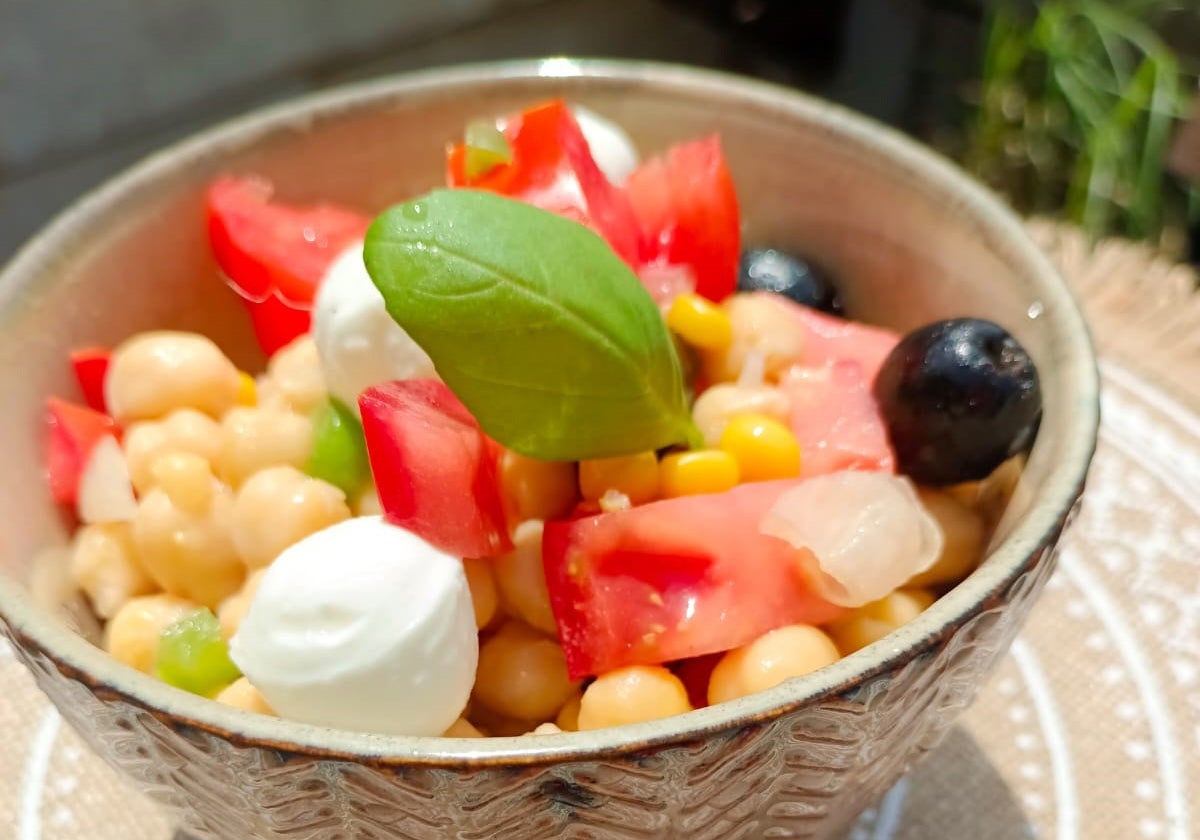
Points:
[(801, 760), (806, 774)]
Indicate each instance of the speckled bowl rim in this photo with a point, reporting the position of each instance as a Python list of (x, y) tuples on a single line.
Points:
[(1054, 498)]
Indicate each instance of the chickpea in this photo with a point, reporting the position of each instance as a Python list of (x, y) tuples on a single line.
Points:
[(368, 503), (522, 581), (295, 374), (537, 489), (483, 590), (462, 728), (769, 660), (545, 729), (632, 695), (962, 543), (104, 566), (567, 718), (253, 439), (522, 674), (991, 495), (189, 553), (268, 395), (279, 506), (132, 635), (716, 406), (183, 430), (242, 695), (187, 480), (871, 622), (154, 373), (234, 608), (494, 724), (761, 324)]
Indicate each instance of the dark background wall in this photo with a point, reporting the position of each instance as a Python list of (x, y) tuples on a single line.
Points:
[(88, 87)]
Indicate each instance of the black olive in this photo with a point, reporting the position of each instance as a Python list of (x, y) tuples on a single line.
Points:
[(796, 278), (959, 397)]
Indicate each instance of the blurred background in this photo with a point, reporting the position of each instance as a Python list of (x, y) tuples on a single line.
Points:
[(1073, 108)]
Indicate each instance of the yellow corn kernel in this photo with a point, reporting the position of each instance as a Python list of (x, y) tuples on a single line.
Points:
[(699, 322), (764, 448), (247, 391), (691, 473), (635, 476)]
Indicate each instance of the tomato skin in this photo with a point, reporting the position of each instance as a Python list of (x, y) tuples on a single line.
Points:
[(687, 207), (553, 168), (91, 366), (829, 339), (836, 420), (274, 254), (72, 432), (435, 470), (673, 579)]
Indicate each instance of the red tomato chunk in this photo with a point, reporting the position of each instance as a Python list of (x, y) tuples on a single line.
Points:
[(275, 255), (435, 470), (72, 432), (673, 579), (687, 206), (553, 168), (836, 420), (91, 366)]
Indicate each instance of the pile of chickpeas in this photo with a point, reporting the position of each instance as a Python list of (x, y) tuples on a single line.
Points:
[(216, 458)]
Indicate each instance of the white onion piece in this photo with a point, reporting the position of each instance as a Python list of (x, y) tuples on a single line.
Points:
[(867, 533), (105, 491)]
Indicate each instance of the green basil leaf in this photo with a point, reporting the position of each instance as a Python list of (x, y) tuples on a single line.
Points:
[(542, 331)]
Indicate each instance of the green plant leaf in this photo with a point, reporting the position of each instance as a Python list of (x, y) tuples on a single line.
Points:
[(546, 336)]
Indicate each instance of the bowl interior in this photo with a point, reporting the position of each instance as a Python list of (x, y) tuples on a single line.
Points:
[(910, 240)]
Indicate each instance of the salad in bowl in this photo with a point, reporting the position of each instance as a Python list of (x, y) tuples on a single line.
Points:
[(616, 464)]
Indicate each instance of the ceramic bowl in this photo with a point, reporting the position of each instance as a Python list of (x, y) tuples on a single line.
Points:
[(914, 240)]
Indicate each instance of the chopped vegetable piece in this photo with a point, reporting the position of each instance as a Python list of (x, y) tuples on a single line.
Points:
[(90, 365), (105, 493), (275, 255), (553, 168), (827, 338), (486, 148), (435, 470), (674, 579), (192, 655), (339, 454), (73, 431), (836, 419), (687, 207)]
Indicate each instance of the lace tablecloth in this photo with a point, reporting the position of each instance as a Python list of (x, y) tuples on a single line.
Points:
[(1091, 728)]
